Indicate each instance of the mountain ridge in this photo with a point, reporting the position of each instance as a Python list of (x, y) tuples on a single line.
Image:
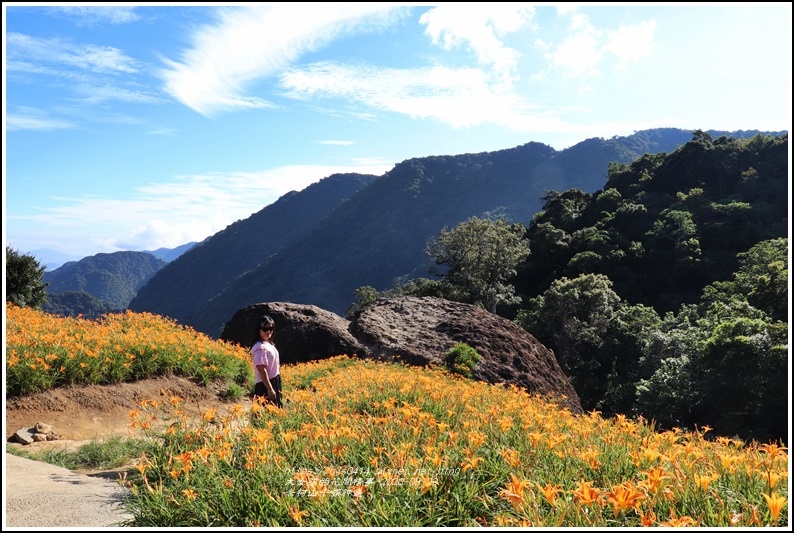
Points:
[(377, 236)]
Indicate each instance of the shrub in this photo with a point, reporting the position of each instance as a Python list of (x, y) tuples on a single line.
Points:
[(462, 359)]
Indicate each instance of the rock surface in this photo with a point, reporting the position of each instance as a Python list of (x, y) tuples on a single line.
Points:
[(413, 330), (303, 332), (37, 433)]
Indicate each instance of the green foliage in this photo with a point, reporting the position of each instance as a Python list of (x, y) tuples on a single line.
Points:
[(24, 280), (763, 277), (363, 297), (234, 392), (481, 256), (77, 304), (743, 373), (103, 454), (572, 315), (462, 359)]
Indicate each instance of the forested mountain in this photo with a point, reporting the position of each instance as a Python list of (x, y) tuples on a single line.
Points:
[(666, 293), (665, 226), (190, 281), (77, 303), (378, 236), (113, 278)]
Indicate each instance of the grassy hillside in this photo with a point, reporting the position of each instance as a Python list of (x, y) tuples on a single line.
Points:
[(362, 443)]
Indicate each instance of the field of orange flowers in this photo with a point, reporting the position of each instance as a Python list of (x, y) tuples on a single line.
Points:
[(363, 443), (45, 351)]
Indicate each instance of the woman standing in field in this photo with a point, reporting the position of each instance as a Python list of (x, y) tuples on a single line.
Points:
[(266, 363)]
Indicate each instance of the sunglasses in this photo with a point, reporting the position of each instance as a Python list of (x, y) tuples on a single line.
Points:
[(267, 328)]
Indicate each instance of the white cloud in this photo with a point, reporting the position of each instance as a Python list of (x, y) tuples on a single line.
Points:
[(97, 94), (480, 26), (434, 92), (579, 53), (19, 122), (103, 59), (99, 14), (162, 131), (582, 52), (631, 43), (253, 42)]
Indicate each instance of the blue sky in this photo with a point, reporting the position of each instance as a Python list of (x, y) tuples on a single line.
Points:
[(144, 126)]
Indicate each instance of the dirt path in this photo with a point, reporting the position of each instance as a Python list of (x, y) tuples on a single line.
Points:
[(37, 494)]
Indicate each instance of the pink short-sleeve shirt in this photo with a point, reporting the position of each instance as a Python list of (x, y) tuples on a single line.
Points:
[(264, 353)]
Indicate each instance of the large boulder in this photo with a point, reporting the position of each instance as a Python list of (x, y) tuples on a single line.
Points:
[(303, 332), (420, 331), (413, 330)]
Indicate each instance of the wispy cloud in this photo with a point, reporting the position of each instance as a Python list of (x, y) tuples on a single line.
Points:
[(337, 143), (87, 74), (424, 93), (93, 15), (162, 131), (253, 42), (101, 59), (21, 122), (97, 94)]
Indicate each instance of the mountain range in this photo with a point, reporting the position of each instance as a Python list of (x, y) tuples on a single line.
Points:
[(318, 245)]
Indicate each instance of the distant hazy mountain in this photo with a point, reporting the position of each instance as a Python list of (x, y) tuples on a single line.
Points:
[(52, 259), (113, 278), (169, 254), (377, 236)]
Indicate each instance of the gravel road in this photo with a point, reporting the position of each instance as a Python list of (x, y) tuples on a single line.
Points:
[(38, 494)]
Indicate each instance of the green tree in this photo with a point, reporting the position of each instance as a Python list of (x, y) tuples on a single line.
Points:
[(763, 277), (24, 280), (742, 371), (482, 255), (572, 318), (363, 296)]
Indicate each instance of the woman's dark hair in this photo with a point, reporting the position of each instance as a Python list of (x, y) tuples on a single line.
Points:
[(265, 322)]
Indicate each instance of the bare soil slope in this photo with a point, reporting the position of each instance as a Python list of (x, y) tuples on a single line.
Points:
[(81, 414)]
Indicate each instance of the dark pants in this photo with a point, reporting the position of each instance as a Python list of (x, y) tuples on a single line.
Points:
[(261, 390)]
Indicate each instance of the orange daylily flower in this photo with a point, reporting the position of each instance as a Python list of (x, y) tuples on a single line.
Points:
[(471, 463), (684, 521), (511, 457), (647, 519), (297, 514), (550, 492), (656, 477), (624, 497), (514, 492), (776, 504), (585, 493)]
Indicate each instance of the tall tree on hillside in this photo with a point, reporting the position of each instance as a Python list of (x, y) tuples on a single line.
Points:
[(24, 285), (482, 255)]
